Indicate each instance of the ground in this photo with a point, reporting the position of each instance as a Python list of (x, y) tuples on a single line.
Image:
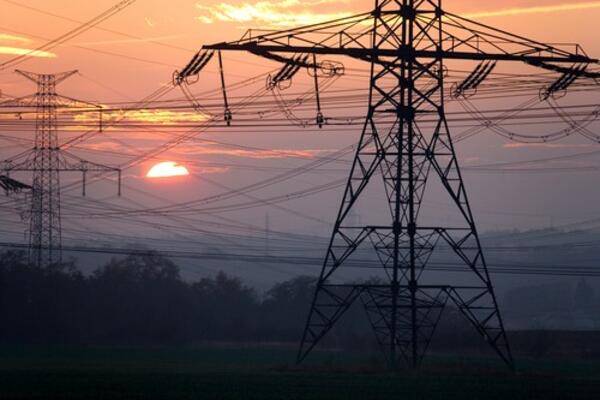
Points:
[(269, 373)]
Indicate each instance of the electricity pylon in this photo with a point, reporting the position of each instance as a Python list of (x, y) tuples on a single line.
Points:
[(46, 161), (406, 43)]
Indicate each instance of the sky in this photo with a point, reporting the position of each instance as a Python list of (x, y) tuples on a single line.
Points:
[(189, 24), (136, 51)]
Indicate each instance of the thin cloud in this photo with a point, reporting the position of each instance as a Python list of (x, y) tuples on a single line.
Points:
[(518, 145), (6, 38), (288, 13), (274, 13), (209, 170), (157, 117), (7, 47), (215, 150), (107, 146), (19, 51), (534, 10)]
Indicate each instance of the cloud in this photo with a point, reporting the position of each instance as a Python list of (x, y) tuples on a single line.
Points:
[(10, 40), (215, 150), (192, 152), (470, 160), (274, 13), (157, 117), (6, 38), (18, 51), (517, 145), (242, 153), (533, 10), (288, 13), (106, 146), (210, 170)]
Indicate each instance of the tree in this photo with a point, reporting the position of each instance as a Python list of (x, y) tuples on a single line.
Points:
[(285, 307), (226, 308), (583, 298), (140, 299)]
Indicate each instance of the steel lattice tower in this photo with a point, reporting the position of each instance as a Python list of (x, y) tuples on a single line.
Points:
[(45, 238), (403, 311), (46, 161), (405, 140)]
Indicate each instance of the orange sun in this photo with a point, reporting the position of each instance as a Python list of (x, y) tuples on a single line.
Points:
[(167, 169)]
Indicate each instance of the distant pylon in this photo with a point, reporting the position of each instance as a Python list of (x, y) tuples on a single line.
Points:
[(45, 162), (45, 236)]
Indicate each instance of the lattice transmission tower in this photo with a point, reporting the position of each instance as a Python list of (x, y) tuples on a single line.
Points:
[(406, 141), (46, 161)]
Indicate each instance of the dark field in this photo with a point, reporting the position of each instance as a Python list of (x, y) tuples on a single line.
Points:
[(261, 373)]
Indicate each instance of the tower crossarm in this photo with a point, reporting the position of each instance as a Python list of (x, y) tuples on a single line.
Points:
[(66, 163), (81, 166), (461, 39), (57, 78), (405, 53)]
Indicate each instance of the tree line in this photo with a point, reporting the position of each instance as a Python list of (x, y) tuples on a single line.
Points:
[(143, 300)]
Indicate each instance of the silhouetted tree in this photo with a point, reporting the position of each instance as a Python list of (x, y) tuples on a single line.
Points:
[(226, 308), (40, 305), (282, 301), (139, 299), (583, 298)]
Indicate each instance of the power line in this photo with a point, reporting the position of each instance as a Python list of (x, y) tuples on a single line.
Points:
[(70, 34), (510, 269), (115, 32)]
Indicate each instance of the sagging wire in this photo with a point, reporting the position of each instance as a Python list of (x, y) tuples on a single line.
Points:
[(577, 126), (287, 110), (486, 123), (282, 80)]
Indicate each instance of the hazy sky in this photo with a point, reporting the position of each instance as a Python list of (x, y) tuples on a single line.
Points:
[(123, 60)]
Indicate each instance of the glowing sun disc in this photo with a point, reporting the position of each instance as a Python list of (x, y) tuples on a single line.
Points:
[(167, 169)]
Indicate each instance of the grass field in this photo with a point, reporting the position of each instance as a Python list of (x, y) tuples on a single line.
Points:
[(268, 373)]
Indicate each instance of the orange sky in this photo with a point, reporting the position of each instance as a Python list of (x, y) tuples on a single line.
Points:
[(189, 24)]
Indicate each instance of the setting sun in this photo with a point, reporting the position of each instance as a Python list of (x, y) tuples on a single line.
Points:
[(167, 169)]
